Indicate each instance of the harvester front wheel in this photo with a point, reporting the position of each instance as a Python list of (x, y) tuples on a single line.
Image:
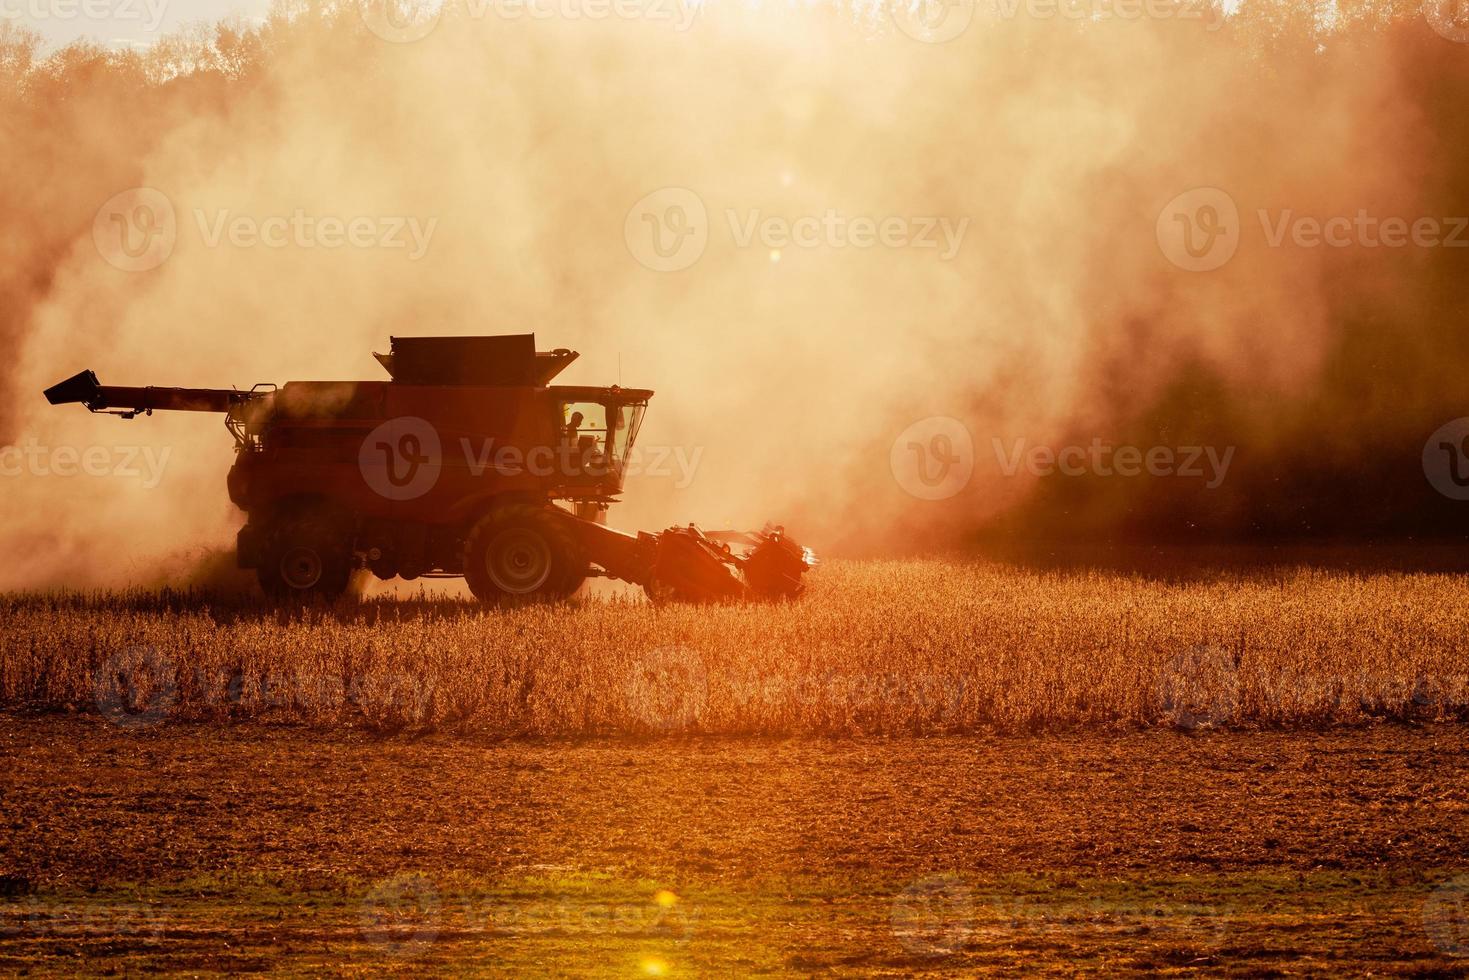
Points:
[(305, 559), (523, 552)]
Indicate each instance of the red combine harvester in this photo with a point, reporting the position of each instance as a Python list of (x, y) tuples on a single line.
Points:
[(468, 462)]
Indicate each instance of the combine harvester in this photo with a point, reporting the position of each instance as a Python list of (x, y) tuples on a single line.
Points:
[(457, 466)]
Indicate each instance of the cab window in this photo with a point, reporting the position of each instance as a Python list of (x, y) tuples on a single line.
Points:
[(584, 425)]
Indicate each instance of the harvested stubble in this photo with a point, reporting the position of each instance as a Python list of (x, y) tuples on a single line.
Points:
[(917, 647)]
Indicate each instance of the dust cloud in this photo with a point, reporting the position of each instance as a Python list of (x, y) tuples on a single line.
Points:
[(1022, 286)]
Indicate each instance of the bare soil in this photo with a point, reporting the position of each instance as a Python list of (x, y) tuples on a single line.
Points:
[(257, 847), (86, 802)]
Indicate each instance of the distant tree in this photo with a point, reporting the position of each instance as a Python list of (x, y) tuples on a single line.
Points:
[(18, 49), (238, 50)]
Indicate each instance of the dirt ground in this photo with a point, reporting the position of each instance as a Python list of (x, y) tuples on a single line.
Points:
[(201, 848)]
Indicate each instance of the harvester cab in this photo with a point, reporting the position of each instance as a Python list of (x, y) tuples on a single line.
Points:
[(467, 461)]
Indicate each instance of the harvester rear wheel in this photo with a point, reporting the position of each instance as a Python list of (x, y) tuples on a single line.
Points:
[(526, 552), (305, 558)]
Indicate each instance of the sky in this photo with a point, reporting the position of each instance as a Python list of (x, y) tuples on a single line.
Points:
[(120, 23)]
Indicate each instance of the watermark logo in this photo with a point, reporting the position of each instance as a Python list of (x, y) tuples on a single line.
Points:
[(400, 916), (1446, 916), (933, 459), (1448, 18), (402, 458), (136, 231), (933, 21), (1199, 689), (667, 230), (1446, 459), (400, 21), (1199, 229), (668, 689), (934, 916), (136, 688)]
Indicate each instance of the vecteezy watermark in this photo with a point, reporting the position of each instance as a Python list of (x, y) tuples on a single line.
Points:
[(668, 230), (404, 458), (664, 914), (1103, 459), (383, 697), (401, 21), (407, 21), (667, 689), (1200, 230), (1446, 916), (1446, 459), (933, 459), (136, 688), (81, 918), (138, 230), (1208, 12), (1350, 695), (1202, 929), (1449, 18), (938, 21), (302, 230), (942, 700), (149, 12), (682, 14), (941, 916), (1199, 689), (30, 458), (934, 916), (1362, 230), (932, 21), (143, 687), (833, 229), (400, 916)]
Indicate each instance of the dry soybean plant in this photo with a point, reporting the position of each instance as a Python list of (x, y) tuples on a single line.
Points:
[(914, 647)]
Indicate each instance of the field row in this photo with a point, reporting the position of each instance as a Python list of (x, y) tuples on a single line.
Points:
[(205, 848), (902, 647), (426, 924)]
